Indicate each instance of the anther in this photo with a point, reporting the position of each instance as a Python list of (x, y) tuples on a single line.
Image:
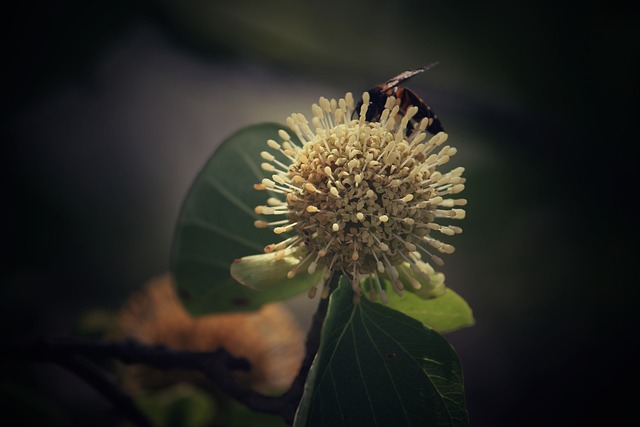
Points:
[(309, 186), (267, 156), (312, 292), (312, 267), (268, 167), (284, 135), (285, 229), (268, 183), (272, 144), (328, 172)]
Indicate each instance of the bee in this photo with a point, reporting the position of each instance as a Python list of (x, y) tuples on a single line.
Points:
[(379, 94)]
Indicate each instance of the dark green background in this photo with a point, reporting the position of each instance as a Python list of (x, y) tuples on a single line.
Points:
[(539, 97)]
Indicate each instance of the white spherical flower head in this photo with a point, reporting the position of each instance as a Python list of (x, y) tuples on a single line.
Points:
[(362, 198)]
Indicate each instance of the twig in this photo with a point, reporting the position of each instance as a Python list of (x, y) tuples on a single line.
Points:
[(216, 365), (122, 402)]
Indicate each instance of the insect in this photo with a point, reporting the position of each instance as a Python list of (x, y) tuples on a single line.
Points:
[(379, 94)]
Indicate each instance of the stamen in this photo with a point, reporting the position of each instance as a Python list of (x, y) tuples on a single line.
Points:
[(312, 266), (286, 229), (379, 264), (405, 199), (436, 260), (383, 295), (272, 186), (412, 281), (273, 145), (292, 273), (275, 202), (271, 158), (284, 135), (322, 252), (285, 244), (312, 292), (272, 223), (415, 264), (408, 245)]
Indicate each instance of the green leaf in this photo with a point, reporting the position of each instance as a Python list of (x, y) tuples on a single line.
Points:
[(445, 313), (379, 367), (215, 227)]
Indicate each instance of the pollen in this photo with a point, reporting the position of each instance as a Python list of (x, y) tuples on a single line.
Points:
[(364, 199)]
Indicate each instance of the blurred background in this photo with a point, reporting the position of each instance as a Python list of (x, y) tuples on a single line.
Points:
[(109, 109)]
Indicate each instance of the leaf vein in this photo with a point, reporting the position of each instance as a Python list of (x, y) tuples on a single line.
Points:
[(230, 197), (429, 376), (393, 383), (220, 231), (364, 382)]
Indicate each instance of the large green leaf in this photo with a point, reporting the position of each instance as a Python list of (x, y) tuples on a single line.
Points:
[(379, 367), (215, 227)]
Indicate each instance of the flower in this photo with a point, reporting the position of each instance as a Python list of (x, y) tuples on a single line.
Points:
[(362, 198)]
